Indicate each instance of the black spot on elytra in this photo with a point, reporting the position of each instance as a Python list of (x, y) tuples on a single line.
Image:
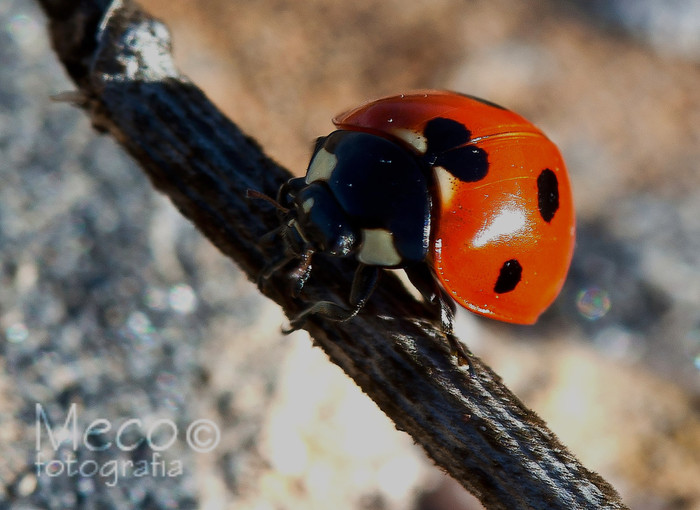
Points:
[(447, 147), (468, 163), (445, 134), (509, 276), (547, 194)]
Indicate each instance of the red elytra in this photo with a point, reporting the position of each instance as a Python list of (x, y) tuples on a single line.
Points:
[(501, 242)]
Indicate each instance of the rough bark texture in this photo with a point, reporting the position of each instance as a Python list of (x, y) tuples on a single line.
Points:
[(468, 423)]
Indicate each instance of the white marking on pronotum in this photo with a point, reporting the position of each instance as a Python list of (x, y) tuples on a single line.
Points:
[(412, 138), (377, 248), (307, 205), (321, 167)]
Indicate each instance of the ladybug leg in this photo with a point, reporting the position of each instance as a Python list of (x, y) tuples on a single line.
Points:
[(363, 285), (273, 267), (326, 309), (447, 316), (302, 273), (281, 260), (295, 247), (442, 305), (272, 235), (424, 281)]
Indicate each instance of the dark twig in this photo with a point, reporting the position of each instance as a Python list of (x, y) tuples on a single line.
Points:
[(471, 425)]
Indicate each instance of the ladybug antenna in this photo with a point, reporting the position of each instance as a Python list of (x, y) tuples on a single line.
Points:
[(251, 193)]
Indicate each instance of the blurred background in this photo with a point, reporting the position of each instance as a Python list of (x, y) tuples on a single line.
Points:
[(113, 302)]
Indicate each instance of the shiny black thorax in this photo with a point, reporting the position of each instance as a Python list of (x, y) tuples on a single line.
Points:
[(363, 195)]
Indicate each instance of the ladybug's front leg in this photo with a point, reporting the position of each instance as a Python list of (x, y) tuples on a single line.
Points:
[(363, 285), (284, 257), (273, 267)]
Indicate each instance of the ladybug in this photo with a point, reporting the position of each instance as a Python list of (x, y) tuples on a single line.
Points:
[(469, 198)]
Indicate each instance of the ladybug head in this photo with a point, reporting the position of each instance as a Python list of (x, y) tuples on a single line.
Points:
[(312, 220)]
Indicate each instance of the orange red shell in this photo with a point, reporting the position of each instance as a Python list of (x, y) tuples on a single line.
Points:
[(501, 244)]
